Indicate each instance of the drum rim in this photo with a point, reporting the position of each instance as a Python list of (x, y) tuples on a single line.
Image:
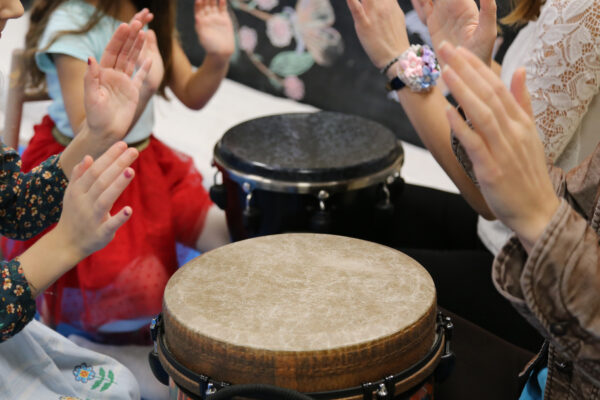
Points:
[(231, 161), (421, 369), (250, 181)]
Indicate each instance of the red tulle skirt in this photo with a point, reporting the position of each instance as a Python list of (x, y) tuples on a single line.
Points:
[(126, 279)]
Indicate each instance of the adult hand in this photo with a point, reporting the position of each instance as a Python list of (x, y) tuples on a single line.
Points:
[(381, 29), (110, 94), (214, 27), (462, 24), (507, 155), (85, 224)]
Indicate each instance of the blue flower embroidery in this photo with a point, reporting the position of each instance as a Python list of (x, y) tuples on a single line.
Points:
[(83, 373)]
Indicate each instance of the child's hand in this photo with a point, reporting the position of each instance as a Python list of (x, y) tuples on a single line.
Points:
[(157, 71), (214, 27), (110, 94), (86, 225)]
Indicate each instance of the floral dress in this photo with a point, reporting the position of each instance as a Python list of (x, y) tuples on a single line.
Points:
[(28, 204)]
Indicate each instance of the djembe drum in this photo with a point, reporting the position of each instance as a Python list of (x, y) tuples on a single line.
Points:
[(321, 172), (329, 316)]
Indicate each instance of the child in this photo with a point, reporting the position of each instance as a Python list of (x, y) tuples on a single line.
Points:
[(34, 362), (125, 281)]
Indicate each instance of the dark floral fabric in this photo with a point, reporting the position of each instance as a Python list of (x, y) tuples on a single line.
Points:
[(29, 203)]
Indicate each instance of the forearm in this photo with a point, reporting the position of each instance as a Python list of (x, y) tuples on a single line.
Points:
[(48, 259), (204, 82), (426, 112)]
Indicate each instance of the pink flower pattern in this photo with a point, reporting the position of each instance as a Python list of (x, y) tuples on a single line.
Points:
[(293, 87), (267, 4), (412, 65), (279, 31), (248, 39)]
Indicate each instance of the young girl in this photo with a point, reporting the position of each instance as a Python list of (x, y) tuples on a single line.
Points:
[(125, 281), (35, 361)]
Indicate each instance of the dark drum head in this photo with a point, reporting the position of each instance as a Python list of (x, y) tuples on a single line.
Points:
[(308, 147)]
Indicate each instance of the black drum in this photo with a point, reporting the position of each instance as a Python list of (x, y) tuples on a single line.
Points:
[(321, 172)]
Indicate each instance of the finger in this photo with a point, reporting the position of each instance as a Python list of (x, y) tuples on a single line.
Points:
[(113, 223), (213, 5), (481, 114), (111, 172), (357, 10), (200, 7), (492, 80), (474, 144), (487, 17), (141, 73), (483, 106), (222, 5), (134, 53), (106, 199), (109, 156), (518, 88), (113, 48), (427, 9), (80, 168), (123, 56)]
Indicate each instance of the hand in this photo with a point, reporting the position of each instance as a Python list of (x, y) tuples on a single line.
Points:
[(110, 94), (462, 24), (85, 224), (381, 29), (504, 146), (214, 27)]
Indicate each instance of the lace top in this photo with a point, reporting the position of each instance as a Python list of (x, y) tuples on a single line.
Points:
[(560, 51)]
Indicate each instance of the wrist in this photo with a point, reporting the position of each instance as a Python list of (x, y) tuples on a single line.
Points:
[(70, 253), (217, 60), (532, 229)]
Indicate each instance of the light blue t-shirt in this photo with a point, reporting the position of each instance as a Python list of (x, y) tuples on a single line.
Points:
[(73, 15), (534, 389)]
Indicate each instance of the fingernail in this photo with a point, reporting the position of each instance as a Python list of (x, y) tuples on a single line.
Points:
[(128, 174), (127, 212), (89, 61), (442, 44)]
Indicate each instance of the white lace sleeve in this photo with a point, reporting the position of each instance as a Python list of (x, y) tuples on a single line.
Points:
[(563, 70)]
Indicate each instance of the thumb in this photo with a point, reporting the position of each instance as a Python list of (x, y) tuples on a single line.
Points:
[(518, 88), (488, 16)]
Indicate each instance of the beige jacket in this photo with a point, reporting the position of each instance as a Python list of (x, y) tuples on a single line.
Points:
[(557, 287)]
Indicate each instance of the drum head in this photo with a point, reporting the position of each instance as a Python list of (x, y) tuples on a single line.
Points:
[(308, 147), (303, 311)]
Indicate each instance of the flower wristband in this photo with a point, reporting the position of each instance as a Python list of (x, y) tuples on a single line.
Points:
[(417, 68)]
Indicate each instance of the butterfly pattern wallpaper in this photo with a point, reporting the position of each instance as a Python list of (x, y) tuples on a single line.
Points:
[(303, 35)]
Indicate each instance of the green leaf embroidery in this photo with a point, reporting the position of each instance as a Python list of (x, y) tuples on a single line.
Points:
[(111, 380), (291, 63), (97, 383)]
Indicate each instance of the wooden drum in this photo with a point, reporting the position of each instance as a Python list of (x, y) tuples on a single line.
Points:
[(328, 316)]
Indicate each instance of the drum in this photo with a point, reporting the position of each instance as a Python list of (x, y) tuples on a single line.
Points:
[(321, 172), (330, 316)]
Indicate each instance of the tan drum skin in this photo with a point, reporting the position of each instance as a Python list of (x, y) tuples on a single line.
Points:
[(308, 312)]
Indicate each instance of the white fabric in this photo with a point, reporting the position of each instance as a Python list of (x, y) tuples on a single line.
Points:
[(560, 51), (39, 363)]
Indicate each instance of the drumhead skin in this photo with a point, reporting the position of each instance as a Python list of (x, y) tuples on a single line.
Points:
[(308, 312), (308, 147)]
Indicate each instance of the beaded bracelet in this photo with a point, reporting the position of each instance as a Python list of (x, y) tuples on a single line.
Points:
[(417, 68)]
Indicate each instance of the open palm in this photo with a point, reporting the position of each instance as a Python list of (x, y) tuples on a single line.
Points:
[(214, 27), (461, 23), (110, 94)]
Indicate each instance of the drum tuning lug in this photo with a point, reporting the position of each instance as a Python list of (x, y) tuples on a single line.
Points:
[(218, 193), (210, 389), (382, 392), (246, 187), (322, 196)]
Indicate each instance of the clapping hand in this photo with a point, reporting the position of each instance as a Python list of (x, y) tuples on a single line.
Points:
[(111, 94), (507, 155), (214, 27), (461, 23)]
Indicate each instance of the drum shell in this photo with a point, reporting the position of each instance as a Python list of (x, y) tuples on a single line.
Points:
[(353, 212)]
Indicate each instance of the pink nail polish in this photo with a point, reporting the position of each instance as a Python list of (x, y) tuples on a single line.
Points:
[(89, 61), (127, 212), (128, 173)]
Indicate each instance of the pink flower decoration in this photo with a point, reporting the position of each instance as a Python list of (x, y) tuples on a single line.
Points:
[(279, 30), (248, 39), (293, 87), (412, 65), (267, 4)]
